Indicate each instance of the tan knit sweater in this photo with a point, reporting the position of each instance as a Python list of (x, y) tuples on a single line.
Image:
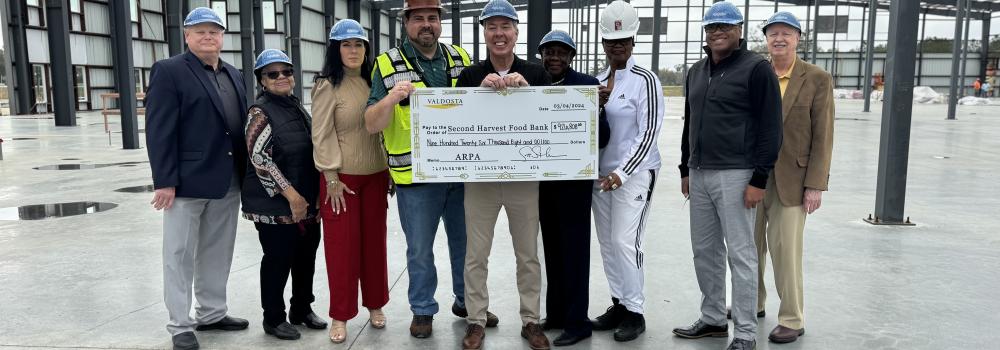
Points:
[(341, 144)]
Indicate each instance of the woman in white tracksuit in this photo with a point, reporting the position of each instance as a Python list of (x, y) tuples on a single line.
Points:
[(632, 98)]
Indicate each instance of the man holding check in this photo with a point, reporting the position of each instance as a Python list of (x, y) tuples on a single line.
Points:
[(483, 200)]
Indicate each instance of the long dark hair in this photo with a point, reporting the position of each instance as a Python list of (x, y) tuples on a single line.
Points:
[(333, 66)]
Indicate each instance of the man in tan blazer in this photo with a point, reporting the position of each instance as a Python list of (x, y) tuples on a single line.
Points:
[(800, 174)]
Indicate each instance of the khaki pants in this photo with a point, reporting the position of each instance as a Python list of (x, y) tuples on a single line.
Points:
[(780, 229), (482, 206)]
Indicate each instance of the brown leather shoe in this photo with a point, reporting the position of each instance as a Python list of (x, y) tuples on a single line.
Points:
[(421, 326), (535, 336), (782, 334), (474, 336)]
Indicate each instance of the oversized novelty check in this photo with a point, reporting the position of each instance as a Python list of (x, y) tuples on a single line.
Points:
[(523, 134)]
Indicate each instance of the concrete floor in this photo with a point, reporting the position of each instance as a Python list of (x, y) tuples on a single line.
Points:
[(94, 281)]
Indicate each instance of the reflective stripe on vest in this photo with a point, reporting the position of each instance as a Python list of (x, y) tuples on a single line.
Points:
[(393, 67)]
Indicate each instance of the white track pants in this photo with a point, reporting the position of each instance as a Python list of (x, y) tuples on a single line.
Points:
[(620, 216)]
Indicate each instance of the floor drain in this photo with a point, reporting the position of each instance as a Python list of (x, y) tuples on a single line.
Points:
[(58, 210)]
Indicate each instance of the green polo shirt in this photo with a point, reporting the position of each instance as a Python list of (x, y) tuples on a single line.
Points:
[(435, 71)]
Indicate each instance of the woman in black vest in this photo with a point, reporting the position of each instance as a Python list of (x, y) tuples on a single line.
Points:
[(280, 191)]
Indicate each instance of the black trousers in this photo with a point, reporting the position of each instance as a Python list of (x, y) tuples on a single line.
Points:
[(564, 215), (287, 248)]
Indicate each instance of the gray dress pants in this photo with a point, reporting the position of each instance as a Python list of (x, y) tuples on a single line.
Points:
[(198, 239), (721, 227)]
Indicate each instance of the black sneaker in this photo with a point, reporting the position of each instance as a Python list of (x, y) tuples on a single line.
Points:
[(631, 326), (610, 319), (742, 344)]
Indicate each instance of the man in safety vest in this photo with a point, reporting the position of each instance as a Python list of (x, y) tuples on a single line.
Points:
[(421, 61)]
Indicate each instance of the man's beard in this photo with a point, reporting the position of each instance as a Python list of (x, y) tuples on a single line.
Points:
[(425, 43)]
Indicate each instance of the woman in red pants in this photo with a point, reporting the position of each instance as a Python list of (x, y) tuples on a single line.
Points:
[(355, 181)]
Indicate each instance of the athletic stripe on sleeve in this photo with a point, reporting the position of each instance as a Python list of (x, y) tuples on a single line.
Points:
[(649, 137)]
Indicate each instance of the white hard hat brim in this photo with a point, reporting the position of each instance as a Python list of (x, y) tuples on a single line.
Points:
[(619, 35)]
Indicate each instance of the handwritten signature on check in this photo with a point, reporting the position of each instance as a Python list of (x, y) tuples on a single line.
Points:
[(536, 152)]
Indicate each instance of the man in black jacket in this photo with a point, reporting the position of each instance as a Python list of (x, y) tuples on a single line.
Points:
[(564, 215), (731, 138)]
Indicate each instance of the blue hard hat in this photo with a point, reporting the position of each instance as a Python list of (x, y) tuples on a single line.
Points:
[(557, 36), (783, 17), (500, 8), (203, 15), (348, 29), (269, 56), (722, 12)]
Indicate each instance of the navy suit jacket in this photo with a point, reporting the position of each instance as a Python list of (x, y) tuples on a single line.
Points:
[(189, 143)]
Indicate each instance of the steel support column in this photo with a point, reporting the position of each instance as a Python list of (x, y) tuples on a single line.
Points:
[(985, 46), (965, 47), (23, 98), (894, 144), (121, 47), (63, 101), (861, 50), (293, 30), (955, 47), (475, 39), (598, 54), (354, 10), (258, 23), (833, 55), (574, 33), (920, 48), (539, 23), (583, 16), (175, 35), (746, 15), (246, 47), (815, 41), (329, 13), (870, 53), (809, 30), (456, 23), (393, 29), (656, 35), (375, 35)]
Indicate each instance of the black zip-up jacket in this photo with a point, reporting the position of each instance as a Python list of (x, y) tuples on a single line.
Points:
[(533, 73), (732, 116)]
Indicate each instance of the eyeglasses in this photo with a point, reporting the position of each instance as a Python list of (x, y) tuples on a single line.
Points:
[(719, 27), (618, 42), (274, 74)]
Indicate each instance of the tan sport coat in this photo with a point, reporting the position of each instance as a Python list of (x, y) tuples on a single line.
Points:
[(807, 113)]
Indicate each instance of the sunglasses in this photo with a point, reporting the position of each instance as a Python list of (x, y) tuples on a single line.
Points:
[(719, 27), (274, 74), (617, 42)]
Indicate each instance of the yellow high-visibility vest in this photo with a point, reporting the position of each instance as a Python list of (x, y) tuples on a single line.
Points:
[(393, 67)]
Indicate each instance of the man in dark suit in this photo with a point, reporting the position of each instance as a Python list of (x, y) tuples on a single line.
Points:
[(196, 110)]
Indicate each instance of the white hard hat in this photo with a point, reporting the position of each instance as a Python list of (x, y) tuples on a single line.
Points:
[(619, 21)]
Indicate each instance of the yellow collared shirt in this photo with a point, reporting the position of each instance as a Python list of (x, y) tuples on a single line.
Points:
[(783, 79)]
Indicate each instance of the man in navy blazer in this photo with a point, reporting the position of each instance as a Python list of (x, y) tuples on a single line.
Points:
[(196, 110)]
